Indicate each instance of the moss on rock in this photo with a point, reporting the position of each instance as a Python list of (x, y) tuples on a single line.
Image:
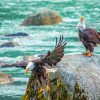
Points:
[(58, 90), (79, 94)]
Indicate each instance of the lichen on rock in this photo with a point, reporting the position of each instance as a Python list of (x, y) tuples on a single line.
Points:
[(58, 90)]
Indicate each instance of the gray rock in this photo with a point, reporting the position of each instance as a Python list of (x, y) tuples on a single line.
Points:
[(10, 44), (2, 63), (84, 70), (17, 34), (43, 17), (5, 78)]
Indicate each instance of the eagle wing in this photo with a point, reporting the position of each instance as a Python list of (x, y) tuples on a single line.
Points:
[(53, 57), (99, 35), (92, 36)]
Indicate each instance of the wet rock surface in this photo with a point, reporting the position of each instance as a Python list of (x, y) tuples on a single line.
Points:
[(84, 70)]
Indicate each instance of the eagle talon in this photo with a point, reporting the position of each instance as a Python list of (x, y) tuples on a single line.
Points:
[(88, 54), (85, 53), (48, 88), (40, 90)]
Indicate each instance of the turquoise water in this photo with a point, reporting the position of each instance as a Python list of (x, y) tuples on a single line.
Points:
[(41, 38)]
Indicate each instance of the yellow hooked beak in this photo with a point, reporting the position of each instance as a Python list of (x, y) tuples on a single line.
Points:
[(26, 70), (82, 18)]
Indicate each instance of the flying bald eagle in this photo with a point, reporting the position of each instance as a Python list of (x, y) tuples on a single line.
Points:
[(88, 36), (50, 59)]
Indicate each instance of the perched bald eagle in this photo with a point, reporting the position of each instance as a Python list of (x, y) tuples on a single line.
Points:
[(88, 36), (50, 59)]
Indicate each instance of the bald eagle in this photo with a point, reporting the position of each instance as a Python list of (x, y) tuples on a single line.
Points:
[(88, 36), (43, 64), (50, 59)]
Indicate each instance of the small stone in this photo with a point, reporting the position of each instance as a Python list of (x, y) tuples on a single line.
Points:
[(10, 44), (5, 78)]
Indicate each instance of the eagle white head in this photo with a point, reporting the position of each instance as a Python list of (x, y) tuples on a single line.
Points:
[(30, 67), (81, 25)]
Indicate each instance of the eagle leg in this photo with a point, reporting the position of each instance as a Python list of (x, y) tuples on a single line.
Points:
[(48, 85), (40, 88), (47, 80), (48, 88)]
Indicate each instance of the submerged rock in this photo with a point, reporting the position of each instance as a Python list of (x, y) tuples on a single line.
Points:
[(84, 70), (10, 44), (2, 63), (5, 78), (17, 34), (44, 17)]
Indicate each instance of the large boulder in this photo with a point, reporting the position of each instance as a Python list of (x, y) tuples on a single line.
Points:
[(43, 17), (10, 44), (5, 78), (84, 70)]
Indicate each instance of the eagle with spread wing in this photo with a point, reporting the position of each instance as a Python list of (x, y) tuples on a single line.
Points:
[(50, 59), (88, 36)]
